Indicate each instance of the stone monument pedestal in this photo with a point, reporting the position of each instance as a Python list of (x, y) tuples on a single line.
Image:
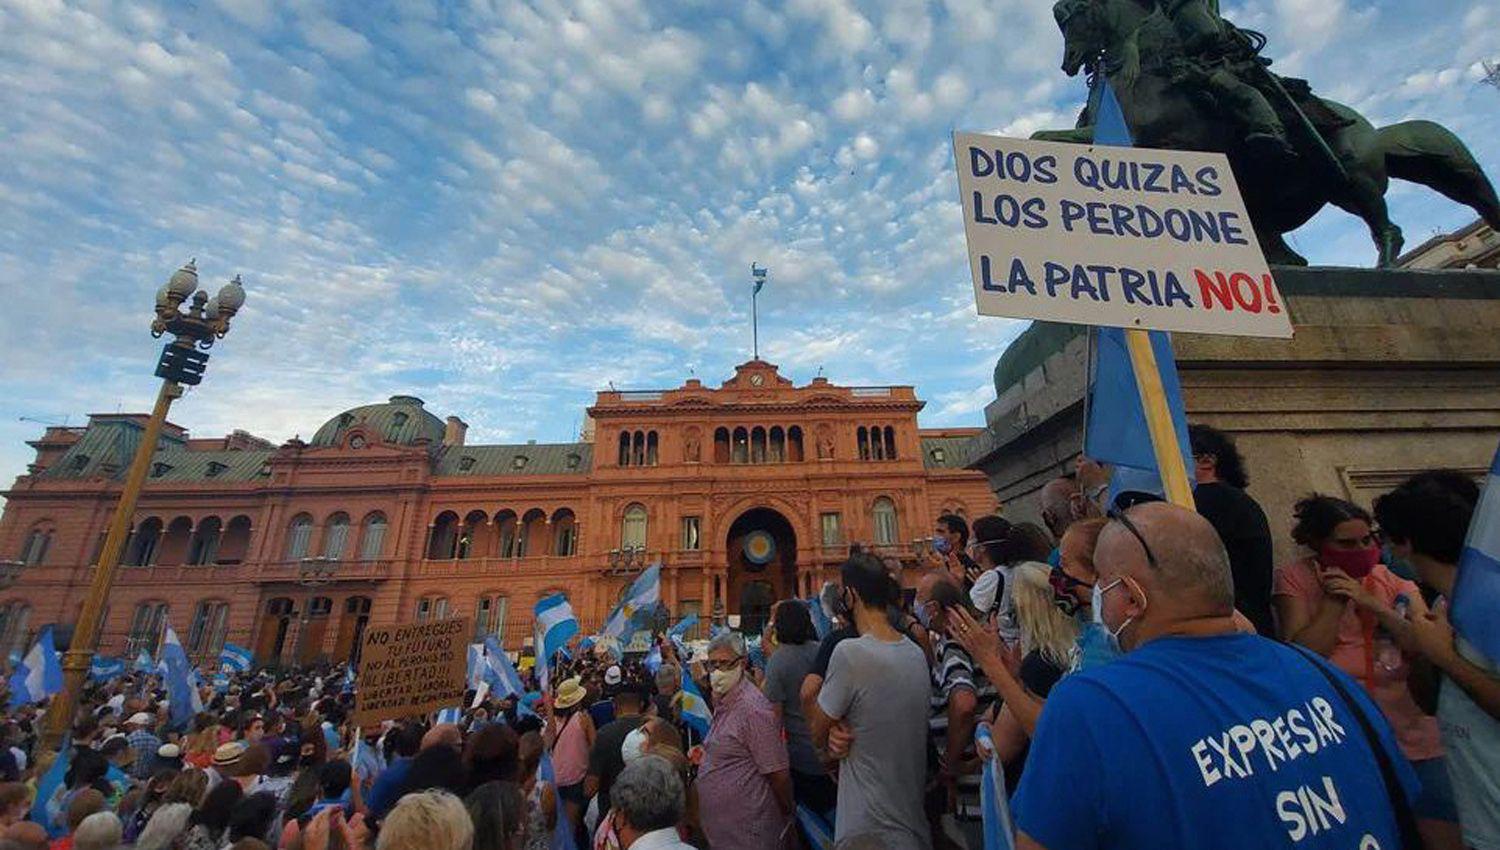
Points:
[(1391, 371)]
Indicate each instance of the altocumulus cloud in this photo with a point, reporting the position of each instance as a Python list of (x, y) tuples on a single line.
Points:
[(503, 205)]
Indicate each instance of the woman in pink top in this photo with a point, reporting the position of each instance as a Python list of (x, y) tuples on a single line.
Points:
[(1341, 602), (570, 734)]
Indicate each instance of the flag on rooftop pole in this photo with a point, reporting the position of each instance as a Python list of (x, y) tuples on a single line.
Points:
[(235, 659), (183, 698), (1476, 593), (1117, 431), (642, 594), (39, 674)]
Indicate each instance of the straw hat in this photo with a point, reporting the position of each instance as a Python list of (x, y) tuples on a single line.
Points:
[(569, 693), (228, 756)]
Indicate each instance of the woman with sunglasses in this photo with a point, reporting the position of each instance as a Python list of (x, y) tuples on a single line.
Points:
[(1341, 602)]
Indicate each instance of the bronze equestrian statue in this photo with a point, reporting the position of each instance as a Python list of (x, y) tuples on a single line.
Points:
[(1187, 79)]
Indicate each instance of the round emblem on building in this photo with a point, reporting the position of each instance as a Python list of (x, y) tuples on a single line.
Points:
[(757, 380), (760, 548)]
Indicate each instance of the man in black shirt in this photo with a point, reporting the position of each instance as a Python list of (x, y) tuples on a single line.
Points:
[(1221, 499), (605, 760)]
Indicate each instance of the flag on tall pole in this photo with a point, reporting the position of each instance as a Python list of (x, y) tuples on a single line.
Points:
[(643, 593), (39, 674), (1133, 377), (1477, 589), (757, 282)]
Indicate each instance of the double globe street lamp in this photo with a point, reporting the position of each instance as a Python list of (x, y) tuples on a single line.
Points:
[(193, 328)]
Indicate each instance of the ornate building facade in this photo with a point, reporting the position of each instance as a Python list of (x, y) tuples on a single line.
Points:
[(745, 493)]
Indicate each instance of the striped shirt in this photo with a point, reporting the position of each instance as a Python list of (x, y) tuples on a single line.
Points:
[(953, 670)]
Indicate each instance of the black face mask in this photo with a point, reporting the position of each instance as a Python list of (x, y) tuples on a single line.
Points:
[(1066, 604)]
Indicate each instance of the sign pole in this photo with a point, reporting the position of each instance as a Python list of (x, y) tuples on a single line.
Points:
[(1158, 418)]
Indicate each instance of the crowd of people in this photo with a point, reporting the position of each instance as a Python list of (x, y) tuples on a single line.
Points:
[(1134, 675)]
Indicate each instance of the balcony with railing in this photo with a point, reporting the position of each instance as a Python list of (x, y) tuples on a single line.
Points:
[(305, 571)]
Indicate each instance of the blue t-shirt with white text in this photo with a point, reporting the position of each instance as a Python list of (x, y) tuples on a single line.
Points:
[(1230, 742)]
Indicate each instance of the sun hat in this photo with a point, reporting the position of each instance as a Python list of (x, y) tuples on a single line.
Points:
[(570, 693), (228, 755), (612, 675), (140, 718)]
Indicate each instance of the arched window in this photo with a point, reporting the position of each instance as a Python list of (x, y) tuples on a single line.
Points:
[(204, 547), (633, 528), (624, 448), (890, 443), (776, 450), (884, 514), (234, 546), (757, 445), (372, 542), (863, 437), (206, 637), (651, 448), (444, 540), (741, 450), (533, 520), (141, 549), (34, 547), (146, 629), (473, 536), (490, 612), (877, 445), (510, 527), (15, 617), (564, 533), (794, 444), (721, 445), (336, 536), (299, 537)]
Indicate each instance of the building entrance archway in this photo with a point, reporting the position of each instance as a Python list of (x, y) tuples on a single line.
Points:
[(762, 554)]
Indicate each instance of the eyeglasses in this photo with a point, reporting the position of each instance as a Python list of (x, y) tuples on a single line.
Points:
[(730, 664), (1063, 584), (1118, 515)]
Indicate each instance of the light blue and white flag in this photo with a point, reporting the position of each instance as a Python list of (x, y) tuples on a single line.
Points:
[(821, 624), (999, 830), (105, 669), (235, 659), (142, 662), (450, 715), (179, 677), (39, 674), (555, 626), (695, 711), (652, 661), (815, 828), (505, 680), (562, 838), (1476, 593), (643, 594), (50, 789), (681, 627)]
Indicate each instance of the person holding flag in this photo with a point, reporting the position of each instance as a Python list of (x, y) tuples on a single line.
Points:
[(182, 696), (643, 595), (555, 625)]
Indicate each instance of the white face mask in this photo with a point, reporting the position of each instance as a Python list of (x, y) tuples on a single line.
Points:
[(722, 680), (634, 746)]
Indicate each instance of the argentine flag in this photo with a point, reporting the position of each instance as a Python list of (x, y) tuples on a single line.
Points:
[(504, 680), (105, 669), (1476, 593), (680, 629), (643, 594), (39, 675), (555, 625), (179, 677), (235, 659), (143, 662), (695, 711)]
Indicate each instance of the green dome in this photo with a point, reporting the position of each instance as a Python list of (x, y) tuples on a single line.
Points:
[(402, 420)]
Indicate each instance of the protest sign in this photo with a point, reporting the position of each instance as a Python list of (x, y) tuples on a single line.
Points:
[(411, 669), (1118, 236)]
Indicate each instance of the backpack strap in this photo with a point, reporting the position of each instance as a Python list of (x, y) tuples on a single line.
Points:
[(1406, 819)]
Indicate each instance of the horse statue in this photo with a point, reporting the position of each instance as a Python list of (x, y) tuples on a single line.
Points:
[(1291, 151)]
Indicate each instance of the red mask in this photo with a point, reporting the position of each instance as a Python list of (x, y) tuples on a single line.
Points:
[(1357, 563)]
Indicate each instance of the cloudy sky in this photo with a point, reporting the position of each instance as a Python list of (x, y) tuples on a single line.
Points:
[(502, 206)]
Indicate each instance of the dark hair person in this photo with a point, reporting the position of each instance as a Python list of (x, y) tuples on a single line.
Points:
[(1241, 524), (1341, 602)]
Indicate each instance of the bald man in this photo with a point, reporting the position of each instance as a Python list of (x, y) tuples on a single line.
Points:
[(1201, 736)]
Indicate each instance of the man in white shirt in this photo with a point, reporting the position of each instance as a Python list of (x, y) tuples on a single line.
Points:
[(647, 802)]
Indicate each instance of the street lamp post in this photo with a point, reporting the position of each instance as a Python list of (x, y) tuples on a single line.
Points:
[(312, 573), (183, 360)]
